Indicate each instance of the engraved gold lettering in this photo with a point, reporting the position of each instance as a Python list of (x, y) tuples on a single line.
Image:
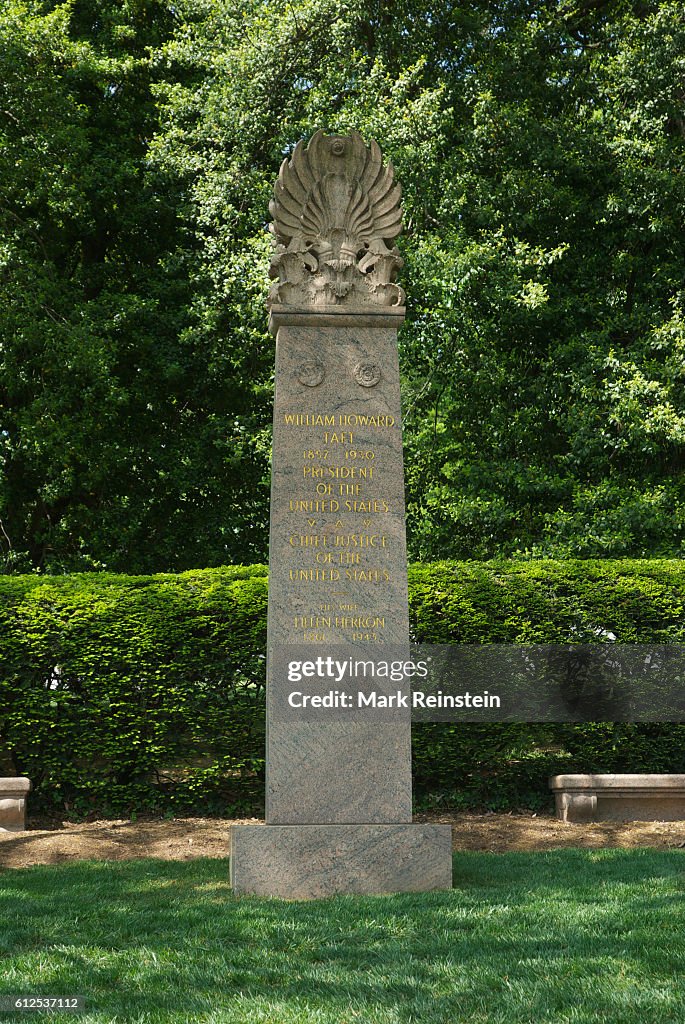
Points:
[(306, 419), (310, 575), (362, 420), (313, 505), (312, 621), (338, 472), (367, 506), (367, 575), (359, 540), (341, 557), (360, 621), (343, 437)]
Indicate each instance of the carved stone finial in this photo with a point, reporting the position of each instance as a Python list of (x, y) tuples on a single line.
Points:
[(336, 212)]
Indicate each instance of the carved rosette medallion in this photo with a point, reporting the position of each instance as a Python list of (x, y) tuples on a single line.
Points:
[(336, 213), (311, 373), (367, 374)]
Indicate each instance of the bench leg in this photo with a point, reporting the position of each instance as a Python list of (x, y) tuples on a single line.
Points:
[(576, 806), (12, 813)]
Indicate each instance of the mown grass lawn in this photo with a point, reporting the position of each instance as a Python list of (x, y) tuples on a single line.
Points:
[(570, 936)]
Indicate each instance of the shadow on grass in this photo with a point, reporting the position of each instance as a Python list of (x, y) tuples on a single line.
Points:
[(578, 936)]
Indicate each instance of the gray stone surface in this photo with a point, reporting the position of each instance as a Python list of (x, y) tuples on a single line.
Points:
[(338, 792), (314, 861), (336, 212), (337, 567), (13, 794), (619, 797)]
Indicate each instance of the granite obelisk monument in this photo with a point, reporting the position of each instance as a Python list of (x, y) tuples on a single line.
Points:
[(338, 803)]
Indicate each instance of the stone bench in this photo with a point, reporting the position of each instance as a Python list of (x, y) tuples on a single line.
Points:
[(619, 797), (13, 793)]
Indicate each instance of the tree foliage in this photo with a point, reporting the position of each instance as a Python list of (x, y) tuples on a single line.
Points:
[(540, 148)]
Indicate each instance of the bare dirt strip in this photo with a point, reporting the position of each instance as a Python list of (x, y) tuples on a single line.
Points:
[(186, 838)]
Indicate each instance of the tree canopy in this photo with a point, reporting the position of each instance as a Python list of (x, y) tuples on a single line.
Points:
[(540, 148)]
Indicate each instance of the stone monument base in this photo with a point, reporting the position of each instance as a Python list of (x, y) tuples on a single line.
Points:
[(304, 862)]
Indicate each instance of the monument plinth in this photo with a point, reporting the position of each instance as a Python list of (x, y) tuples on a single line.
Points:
[(338, 801)]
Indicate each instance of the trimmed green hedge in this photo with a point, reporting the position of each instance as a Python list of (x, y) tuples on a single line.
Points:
[(503, 766), (123, 694)]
